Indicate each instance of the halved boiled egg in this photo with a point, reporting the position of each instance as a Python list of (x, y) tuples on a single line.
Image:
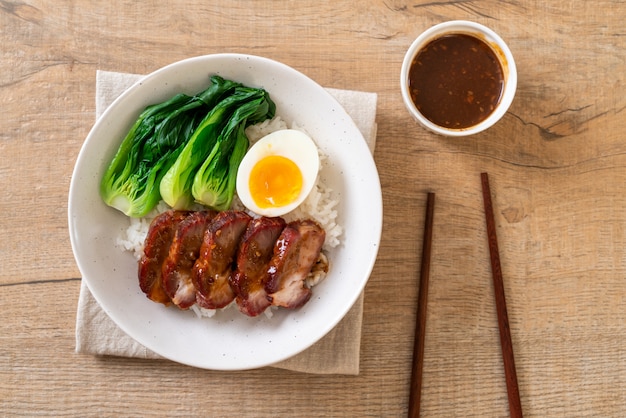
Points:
[(278, 172)]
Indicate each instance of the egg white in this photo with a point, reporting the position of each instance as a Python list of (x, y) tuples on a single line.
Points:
[(289, 143)]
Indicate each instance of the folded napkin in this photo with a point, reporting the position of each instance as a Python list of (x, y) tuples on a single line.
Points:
[(336, 353)]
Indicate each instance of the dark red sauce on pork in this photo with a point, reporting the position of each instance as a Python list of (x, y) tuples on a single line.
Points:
[(456, 81)]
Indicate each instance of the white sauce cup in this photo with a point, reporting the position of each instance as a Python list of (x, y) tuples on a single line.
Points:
[(501, 50)]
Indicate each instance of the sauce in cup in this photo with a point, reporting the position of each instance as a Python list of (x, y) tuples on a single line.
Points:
[(456, 81)]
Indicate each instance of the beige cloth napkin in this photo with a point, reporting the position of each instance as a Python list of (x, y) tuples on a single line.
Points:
[(337, 353)]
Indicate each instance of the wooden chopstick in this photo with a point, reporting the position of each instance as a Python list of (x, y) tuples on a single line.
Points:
[(515, 406), (420, 321)]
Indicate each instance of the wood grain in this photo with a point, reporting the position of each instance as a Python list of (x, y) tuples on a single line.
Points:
[(559, 156)]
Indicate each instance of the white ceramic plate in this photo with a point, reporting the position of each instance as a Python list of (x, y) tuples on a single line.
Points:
[(229, 340)]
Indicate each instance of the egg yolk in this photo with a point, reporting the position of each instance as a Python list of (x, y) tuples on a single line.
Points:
[(275, 181)]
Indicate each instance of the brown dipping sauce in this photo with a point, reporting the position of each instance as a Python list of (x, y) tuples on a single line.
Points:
[(456, 81)]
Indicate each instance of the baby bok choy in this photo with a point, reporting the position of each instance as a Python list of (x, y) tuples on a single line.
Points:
[(131, 181), (219, 137)]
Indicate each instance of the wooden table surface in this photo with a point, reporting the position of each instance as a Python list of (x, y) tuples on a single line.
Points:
[(557, 167)]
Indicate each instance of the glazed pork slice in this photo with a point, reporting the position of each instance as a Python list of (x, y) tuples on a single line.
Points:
[(295, 253), (156, 248), (213, 268), (255, 253), (182, 256)]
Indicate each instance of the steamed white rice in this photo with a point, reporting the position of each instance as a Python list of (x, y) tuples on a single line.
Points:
[(320, 205)]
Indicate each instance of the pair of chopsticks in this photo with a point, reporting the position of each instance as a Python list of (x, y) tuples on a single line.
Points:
[(515, 406)]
